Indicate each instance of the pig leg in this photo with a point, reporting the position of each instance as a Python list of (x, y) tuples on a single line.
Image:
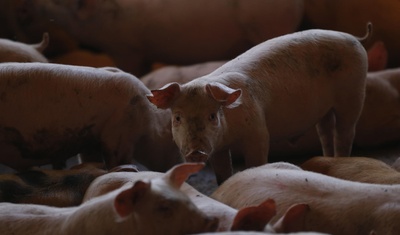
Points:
[(325, 129), (118, 148), (256, 156), (346, 115), (344, 135), (221, 163)]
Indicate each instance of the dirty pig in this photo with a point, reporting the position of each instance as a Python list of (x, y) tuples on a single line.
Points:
[(277, 90)]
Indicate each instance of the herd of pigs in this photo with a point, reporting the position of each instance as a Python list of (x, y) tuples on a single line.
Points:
[(245, 93)]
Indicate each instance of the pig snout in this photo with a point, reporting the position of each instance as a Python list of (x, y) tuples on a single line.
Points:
[(196, 156)]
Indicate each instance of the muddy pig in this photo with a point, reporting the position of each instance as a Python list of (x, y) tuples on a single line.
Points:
[(173, 32), (277, 90), (52, 112), (144, 207), (336, 206), (260, 214), (11, 51)]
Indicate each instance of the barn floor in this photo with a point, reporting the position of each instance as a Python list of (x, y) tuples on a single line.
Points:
[(205, 181)]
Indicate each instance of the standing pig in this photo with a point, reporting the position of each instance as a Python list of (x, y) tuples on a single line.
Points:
[(277, 90), (336, 206), (144, 207), (51, 112), (378, 125), (11, 51), (172, 31)]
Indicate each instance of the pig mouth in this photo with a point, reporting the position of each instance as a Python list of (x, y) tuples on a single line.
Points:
[(196, 156)]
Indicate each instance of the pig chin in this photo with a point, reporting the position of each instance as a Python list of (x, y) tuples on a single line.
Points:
[(196, 156)]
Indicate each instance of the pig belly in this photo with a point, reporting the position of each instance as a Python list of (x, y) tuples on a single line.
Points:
[(294, 114)]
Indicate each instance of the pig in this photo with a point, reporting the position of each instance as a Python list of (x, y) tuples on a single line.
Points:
[(60, 188), (12, 51), (346, 16), (228, 217), (336, 206), (180, 74), (378, 125), (173, 32), (377, 60), (396, 164), (360, 169), (144, 207), (51, 112), (20, 22), (115, 180), (277, 90)]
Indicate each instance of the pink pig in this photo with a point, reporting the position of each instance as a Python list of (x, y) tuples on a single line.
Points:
[(11, 51), (336, 206), (149, 207), (277, 90), (250, 218)]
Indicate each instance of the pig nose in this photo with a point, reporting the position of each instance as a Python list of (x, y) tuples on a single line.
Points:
[(212, 224), (196, 156)]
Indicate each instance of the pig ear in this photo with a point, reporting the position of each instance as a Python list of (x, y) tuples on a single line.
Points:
[(396, 164), (179, 173), (164, 97), (293, 219), (228, 97), (254, 218), (43, 44), (126, 199)]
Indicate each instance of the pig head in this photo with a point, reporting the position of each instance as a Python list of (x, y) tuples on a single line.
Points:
[(197, 131)]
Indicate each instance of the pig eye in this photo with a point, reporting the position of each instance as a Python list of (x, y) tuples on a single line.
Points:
[(167, 207), (177, 119), (212, 117)]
